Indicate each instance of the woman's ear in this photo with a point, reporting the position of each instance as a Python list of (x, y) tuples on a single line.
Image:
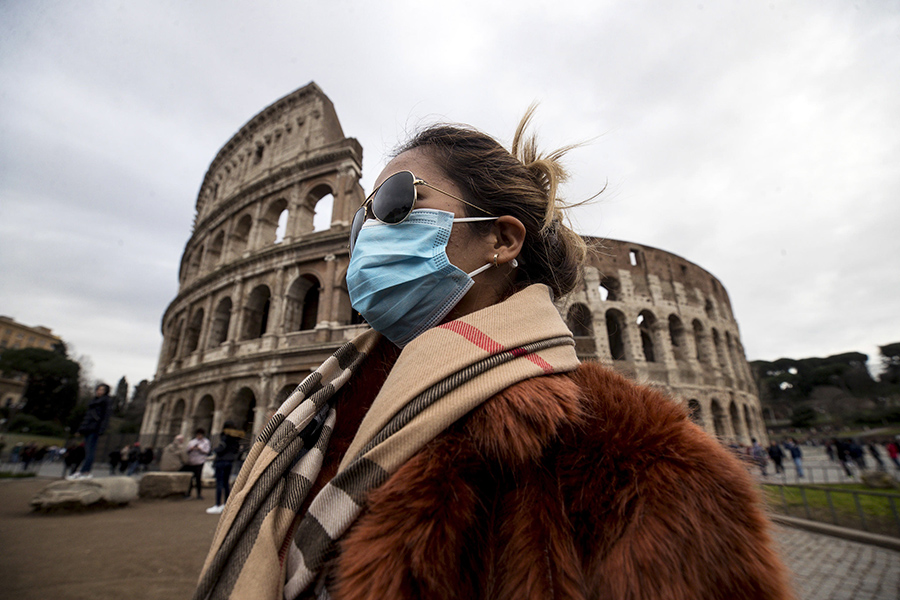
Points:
[(509, 235)]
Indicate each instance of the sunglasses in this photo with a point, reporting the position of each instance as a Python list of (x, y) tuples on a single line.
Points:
[(393, 201)]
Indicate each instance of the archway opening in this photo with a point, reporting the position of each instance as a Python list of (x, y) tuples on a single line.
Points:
[(220, 322), (256, 313), (615, 331)]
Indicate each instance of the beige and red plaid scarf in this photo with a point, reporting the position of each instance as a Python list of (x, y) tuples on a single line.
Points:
[(438, 378)]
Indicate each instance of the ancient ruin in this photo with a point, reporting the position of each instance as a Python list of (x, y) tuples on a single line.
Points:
[(262, 298)]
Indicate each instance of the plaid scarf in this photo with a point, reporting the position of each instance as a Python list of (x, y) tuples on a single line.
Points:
[(438, 378)]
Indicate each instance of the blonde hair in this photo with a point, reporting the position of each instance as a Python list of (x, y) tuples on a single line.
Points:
[(523, 183)]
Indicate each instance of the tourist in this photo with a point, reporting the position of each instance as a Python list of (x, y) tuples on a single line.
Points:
[(174, 456), (134, 458), (92, 426), (758, 453), (893, 449), (459, 449), (842, 448), (197, 450), (147, 457), (115, 457), (123, 464), (855, 451), (777, 456), (75, 454), (876, 455), (796, 456), (226, 454)]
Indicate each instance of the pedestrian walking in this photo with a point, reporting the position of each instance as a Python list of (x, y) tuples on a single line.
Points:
[(226, 454), (197, 451), (115, 457), (796, 456), (777, 456), (893, 449), (75, 454), (876, 456)]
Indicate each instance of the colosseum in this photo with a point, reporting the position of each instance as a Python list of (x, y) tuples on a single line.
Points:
[(262, 299)]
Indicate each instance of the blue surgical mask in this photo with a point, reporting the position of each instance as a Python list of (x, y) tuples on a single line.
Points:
[(400, 279)]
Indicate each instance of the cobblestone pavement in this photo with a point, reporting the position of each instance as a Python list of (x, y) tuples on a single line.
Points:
[(829, 568)]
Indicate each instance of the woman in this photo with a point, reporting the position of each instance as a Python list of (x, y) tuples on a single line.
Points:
[(459, 449), (226, 454)]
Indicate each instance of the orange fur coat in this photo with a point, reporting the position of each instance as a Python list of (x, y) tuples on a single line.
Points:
[(576, 486)]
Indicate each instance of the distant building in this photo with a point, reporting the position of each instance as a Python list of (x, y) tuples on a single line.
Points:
[(14, 335), (263, 300)]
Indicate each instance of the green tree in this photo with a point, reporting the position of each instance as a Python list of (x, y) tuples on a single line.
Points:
[(890, 363), (803, 417), (52, 389), (121, 397)]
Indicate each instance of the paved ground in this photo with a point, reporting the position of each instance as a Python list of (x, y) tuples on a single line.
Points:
[(154, 550)]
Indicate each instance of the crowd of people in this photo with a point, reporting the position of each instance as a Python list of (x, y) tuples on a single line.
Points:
[(849, 453)]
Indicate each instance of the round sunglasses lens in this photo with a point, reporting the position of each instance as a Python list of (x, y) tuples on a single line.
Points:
[(356, 225), (395, 198)]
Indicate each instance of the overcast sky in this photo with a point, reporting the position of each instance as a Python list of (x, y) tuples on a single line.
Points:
[(760, 140)]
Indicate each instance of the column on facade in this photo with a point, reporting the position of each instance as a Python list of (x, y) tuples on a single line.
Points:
[(327, 299)]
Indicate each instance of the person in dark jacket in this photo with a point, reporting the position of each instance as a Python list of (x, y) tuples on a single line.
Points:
[(74, 457), (115, 457), (226, 454), (777, 456), (92, 427)]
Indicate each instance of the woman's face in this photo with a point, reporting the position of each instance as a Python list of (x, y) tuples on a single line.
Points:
[(466, 249)]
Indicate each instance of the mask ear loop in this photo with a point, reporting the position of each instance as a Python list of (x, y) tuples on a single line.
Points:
[(493, 263)]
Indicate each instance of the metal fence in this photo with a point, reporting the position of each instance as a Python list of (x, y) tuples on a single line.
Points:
[(871, 511)]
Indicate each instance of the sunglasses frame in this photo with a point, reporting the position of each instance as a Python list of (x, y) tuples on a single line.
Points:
[(370, 202)]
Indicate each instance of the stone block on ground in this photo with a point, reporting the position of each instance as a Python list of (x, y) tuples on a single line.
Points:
[(86, 493), (164, 484)]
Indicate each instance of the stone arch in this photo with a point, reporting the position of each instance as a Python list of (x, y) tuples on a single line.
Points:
[(301, 308), (718, 417), (580, 321), (239, 240), (695, 411), (221, 319), (192, 335), (256, 313), (610, 289), (176, 418), (316, 208), (736, 425), (701, 342), (268, 224), (194, 264), (615, 330), (646, 322), (710, 310), (214, 251), (720, 353), (243, 410), (203, 413), (678, 338), (174, 336)]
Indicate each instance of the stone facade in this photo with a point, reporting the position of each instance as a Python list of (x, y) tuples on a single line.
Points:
[(15, 335), (666, 322), (263, 301)]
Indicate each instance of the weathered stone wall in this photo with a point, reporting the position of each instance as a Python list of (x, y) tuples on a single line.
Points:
[(263, 301), (666, 322)]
